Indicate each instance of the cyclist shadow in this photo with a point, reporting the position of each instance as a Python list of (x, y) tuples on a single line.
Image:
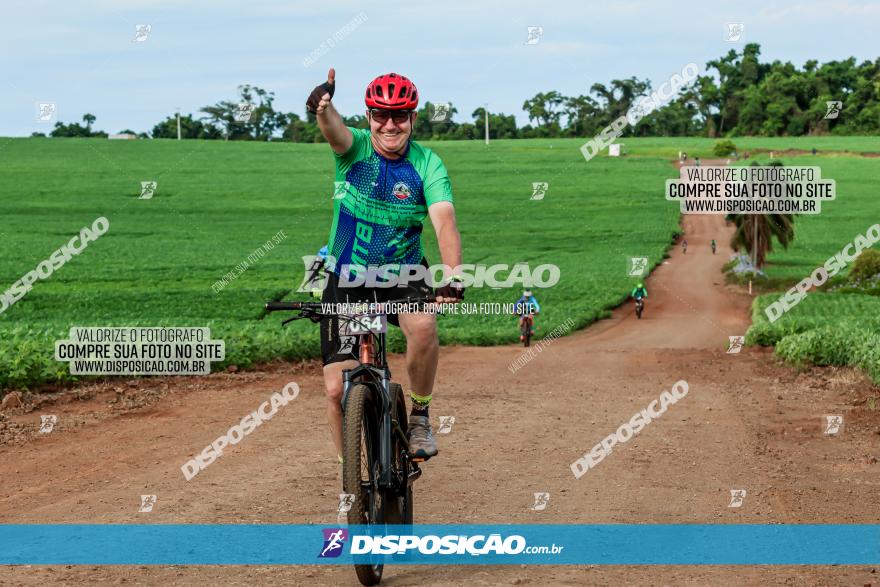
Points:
[(415, 574)]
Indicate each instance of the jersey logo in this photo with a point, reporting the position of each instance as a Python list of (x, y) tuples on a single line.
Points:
[(401, 191)]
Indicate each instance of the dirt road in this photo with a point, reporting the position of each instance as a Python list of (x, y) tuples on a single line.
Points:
[(746, 423)]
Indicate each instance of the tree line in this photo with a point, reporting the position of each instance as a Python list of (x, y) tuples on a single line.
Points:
[(736, 95)]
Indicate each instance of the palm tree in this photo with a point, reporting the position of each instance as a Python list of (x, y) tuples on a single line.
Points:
[(754, 232), (89, 119)]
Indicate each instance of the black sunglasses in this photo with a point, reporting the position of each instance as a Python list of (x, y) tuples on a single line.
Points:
[(382, 116)]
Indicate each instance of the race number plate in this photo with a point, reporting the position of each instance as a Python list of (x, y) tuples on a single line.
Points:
[(375, 323)]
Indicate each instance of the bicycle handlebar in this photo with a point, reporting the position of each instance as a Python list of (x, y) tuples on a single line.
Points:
[(280, 306)]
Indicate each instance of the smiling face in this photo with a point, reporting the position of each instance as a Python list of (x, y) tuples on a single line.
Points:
[(389, 135)]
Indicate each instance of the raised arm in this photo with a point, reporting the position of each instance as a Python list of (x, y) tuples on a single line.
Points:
[(329, 121)]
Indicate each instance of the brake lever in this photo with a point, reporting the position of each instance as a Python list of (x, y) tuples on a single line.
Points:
[(306, 314), (300, 317)]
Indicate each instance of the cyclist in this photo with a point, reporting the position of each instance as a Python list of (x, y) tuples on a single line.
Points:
[(526, 306), (395, 183), (684, 247), (639, 292), (713, 246)]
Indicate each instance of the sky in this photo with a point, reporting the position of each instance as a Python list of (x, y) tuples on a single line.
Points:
[(82, 55)]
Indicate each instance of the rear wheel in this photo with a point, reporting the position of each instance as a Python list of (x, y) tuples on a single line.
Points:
[(399, 499), (360, 471)]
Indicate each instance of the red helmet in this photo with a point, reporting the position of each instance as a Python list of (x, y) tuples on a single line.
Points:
[(392, 92)]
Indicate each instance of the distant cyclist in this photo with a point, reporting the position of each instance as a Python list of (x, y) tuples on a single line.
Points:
[(527, 305), (684, 247), (713, 246), (639, 291)]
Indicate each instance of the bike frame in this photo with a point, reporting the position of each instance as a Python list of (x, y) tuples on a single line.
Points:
[(373, 372), (377, 377)]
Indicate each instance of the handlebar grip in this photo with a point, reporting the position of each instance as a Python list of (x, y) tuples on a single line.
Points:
[(276, 306)]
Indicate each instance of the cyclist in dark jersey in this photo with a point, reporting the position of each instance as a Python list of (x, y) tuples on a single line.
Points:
[(387, 184)]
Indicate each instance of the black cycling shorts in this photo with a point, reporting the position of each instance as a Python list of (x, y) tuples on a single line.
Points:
[(336, 347)]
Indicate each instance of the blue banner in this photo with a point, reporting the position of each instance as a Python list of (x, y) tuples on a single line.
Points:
[(597, 544)]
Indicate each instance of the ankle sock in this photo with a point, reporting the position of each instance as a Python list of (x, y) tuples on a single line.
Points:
[(420, 404)]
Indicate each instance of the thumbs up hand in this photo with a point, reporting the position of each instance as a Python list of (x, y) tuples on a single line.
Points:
[(320, 97)]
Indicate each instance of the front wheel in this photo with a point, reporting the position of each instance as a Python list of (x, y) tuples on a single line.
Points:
[(526, 332), (360, 471), (399, 499)]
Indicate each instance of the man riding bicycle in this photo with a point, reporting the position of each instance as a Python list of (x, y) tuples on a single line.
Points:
[(526, 306), (713, 246), (639, 292), (392, 183), (684, 247)]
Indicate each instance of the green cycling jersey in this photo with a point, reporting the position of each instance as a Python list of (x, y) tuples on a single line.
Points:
[(381, 203)]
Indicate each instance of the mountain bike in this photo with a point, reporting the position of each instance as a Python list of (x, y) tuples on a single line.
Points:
[(525, 331), (640, 307), (377, 468)]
